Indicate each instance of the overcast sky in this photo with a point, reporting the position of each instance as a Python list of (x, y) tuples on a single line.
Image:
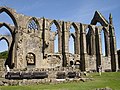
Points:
[(67, 10)]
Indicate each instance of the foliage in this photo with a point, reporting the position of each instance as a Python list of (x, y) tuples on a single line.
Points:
[(3, 55), (109, 79)]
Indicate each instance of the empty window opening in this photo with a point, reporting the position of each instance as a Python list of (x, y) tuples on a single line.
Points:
[(71, 45), (88, 40), (30, 58), (98, 24), (103, 42), (54, 30), (3, 45), (4, 32), (56, 44), (72, 41), (4, 17)]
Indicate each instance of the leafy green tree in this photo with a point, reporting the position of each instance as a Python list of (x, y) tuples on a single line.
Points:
[(3, 55)]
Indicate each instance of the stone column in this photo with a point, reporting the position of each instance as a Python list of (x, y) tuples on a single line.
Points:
[(59, 41), (84, 61), (12, 51), (19, 41), (66, 39), (93, 49), (113, 50), (107, 41), (45, 37), (77, 42), (93, 45), (64, 62), (51, 47), (98, 47), (51, 42)]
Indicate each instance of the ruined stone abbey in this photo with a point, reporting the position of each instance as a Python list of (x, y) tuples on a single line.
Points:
[(31, 44)]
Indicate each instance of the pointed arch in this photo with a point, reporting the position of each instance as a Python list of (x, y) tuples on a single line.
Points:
[(72, 34), (8, 38), (3, 38), (91, 29), (4, 46), (90, 41), (55, 36), (75, 27), (73, 38), (105, 41), (33, 24), (7, 26), (7, 11), (98, 17), (56, 23), (106, 31)]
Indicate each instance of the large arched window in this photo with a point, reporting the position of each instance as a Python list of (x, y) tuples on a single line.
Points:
[(54, 29), (72, 39), (90, 45), (56, 44), (5, 12), (73, 31), (3, 45), (87, 40), (33, 24), (4, 32), (103, 42), (4, 17)]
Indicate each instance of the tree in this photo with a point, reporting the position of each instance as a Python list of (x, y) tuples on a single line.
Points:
[(4, 55)]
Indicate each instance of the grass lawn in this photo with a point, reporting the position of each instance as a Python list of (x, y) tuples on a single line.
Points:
[(108, 79)]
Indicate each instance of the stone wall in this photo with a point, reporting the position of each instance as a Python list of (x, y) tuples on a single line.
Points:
[(32, 42), (2, 66), (106, 63)]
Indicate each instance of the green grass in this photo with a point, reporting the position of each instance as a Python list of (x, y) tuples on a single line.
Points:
[(111, 80)]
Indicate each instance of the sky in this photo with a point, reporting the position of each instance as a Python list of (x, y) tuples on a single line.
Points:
[(67, 10)]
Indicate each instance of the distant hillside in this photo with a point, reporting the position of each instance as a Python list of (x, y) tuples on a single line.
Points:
[(3, 55)]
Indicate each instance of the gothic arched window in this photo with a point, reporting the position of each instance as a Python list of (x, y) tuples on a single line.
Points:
[(33, 24)]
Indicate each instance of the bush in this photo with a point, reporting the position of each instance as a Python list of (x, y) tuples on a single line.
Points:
[(4, 55)]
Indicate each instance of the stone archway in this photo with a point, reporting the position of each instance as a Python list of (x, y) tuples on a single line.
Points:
[(8, 11), (4, 52), (55, 37)]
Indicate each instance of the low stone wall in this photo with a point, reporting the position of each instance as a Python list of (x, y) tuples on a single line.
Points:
[(69, 74), (40, 81), (50, 71)]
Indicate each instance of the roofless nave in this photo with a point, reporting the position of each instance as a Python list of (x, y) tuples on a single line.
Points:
[(31, 44)]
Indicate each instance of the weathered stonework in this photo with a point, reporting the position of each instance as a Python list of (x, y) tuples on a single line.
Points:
[(32, 43)]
